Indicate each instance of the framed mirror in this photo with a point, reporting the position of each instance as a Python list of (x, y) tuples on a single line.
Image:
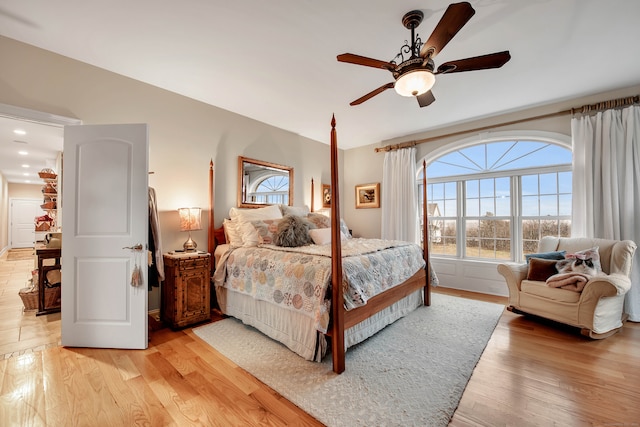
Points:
[(263, 183)]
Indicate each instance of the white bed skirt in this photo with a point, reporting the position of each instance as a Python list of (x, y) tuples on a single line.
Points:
[(297, 331)]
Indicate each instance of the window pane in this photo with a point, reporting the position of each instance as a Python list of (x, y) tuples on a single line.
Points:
[(472, 228), (564, 182), (444, 242), (529, 185), (548, 183), (503, 229), (503, 187), (473, 188), (487, 188), (549, 227), (503, 249), (472, 247), (450, 208), (449, 229), (503, 206), (548, 205), (437, 191), (565, 204), (529, 205), (487, 207), (473, 207), (450, 191)]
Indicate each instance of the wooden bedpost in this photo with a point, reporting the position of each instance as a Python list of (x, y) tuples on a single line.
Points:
[(211, 241), (425, 235), (337, 298)]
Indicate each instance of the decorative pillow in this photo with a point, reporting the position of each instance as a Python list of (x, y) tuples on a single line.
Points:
[(293, 231), (292, 210), (344, 229), (322, 236), (591, 253), (541, 269), (546, 255), (249, 234), (220, 236), (267, 229), (243, 217), (320, 221)]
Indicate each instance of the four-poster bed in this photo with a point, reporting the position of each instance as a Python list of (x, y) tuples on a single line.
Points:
[(410, 288)]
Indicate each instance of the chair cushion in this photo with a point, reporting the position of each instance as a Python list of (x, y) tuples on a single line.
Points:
[(540, 289)]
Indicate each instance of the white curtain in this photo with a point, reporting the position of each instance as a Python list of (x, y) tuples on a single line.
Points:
[(606, 183), (399, 196)]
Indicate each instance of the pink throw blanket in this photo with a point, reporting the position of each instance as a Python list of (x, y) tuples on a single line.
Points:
[(571, 281)]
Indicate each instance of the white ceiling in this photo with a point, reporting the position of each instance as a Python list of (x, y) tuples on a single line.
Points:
[(41, 143), (275, 61)]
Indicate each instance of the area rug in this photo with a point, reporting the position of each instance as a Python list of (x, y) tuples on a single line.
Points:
[(412, 373), (20, 254)]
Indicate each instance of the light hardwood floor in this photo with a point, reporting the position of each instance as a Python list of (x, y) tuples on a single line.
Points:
[(532, 373)]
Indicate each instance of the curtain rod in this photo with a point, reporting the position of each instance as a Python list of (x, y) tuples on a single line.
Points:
[(613, 103)]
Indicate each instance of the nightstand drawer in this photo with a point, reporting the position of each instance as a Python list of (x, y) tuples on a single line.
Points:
[(191, 263)]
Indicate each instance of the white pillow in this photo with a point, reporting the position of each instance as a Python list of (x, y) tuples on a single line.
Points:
[(250, 236), (322, 236), (234, 237), (247, 215), (293, 210)]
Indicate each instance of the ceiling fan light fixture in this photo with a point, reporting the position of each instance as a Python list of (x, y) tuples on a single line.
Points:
[(414, 83)]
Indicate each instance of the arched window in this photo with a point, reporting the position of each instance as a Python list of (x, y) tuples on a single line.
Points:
[(494, 200), (274, 189)]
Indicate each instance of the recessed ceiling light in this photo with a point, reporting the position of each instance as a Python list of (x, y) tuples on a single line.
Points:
[(27, 181), (26, 174), (25, 166), (19, 132), (23, 153)]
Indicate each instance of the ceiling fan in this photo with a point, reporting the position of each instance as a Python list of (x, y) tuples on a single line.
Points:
[(415, 76)]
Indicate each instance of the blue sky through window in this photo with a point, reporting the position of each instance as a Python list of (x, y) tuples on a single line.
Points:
[(499, 156)]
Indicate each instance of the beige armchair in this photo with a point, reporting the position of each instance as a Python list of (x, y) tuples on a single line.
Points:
[(598, 309)]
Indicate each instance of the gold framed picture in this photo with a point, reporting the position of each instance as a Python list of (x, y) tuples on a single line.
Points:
[(368, 196), (326, 196)]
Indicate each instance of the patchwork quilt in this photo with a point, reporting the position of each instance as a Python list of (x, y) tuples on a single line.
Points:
[(299, 278)]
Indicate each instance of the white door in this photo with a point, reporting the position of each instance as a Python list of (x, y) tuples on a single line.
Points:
[(106, 210), (23, 214)]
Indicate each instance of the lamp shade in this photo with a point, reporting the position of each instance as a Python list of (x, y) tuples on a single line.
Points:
[(414, 83), (190, 219)]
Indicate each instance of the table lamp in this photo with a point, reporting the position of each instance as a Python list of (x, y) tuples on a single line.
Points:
[(189, 220)]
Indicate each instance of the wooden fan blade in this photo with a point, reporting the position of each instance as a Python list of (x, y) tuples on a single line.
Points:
[(368, 62), (484, 62), (426, 99), (373, 93), (454, 18)]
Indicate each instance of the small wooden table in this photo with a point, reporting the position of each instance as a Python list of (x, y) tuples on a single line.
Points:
[(43, 254)]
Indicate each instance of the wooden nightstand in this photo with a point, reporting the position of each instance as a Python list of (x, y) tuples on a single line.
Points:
[(185, 297)]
